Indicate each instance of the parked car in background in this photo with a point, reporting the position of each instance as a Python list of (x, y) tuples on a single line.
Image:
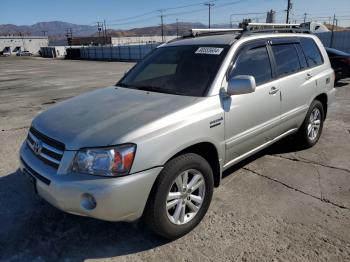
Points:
[(5, 53), (155, 145), (340, 62), (24, 53)]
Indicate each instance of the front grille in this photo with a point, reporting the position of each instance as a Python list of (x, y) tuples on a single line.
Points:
[(35, 174), (45, 148)]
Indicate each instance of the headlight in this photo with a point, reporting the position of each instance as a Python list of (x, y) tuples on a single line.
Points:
[(113, 161)]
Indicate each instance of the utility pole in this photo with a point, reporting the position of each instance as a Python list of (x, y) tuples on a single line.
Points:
[(177, 27), (105, 31), (289, 7), (332, 35), (231, 24), (99, 29), (69, 35), (162, 23), (209, 5)]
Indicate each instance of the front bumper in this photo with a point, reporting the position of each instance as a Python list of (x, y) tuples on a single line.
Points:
[(117, 199)]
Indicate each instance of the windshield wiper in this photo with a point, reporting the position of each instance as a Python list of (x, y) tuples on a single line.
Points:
[(150, 88), (154, 89), (123, 85)]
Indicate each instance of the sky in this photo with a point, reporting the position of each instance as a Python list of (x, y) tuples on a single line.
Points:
[(139, 13)]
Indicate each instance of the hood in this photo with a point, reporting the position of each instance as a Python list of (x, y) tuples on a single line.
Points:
[(99, 118)]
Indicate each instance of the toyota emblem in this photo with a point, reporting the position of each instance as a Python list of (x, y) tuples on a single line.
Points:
[(37, 147)]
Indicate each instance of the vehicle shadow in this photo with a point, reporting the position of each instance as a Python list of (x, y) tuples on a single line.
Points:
[(286, 145), (340, 84), (31, 229)]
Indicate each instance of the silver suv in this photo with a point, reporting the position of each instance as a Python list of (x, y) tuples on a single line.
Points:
[(155, 145)]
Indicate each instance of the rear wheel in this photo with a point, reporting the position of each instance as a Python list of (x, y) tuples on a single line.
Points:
[(180, 197), (311, 129)]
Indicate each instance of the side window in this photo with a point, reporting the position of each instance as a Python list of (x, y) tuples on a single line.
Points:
[(287, 60), (302, 58), (254, 62), (311, 51)]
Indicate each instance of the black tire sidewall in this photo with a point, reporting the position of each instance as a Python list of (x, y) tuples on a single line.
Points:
[(172, 169)]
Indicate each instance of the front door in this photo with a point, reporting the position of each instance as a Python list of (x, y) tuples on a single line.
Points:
[(251, 120)]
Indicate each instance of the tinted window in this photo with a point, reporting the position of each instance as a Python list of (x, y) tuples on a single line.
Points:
[(254, 62), (311, 51), (287, 60), (302, 58), (182, 70)]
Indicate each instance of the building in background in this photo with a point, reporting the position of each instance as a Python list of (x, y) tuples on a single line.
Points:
[(13, 44), (271, 16)]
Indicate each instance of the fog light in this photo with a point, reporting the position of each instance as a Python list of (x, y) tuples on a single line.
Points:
[(88, 201)]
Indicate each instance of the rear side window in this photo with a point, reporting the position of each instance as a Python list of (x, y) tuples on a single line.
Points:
[(311, 51), (287, 59), (254, 62), (302, 58)]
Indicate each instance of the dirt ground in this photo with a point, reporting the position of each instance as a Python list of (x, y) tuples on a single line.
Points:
[(284, 204)]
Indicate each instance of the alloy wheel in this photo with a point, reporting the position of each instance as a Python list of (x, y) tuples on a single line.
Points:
[(314, 125), (185, 197)]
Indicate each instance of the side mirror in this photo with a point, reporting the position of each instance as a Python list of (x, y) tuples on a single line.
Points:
[(242, 84)]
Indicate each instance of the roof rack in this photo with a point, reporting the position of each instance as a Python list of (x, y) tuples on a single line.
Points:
[(248, 29)]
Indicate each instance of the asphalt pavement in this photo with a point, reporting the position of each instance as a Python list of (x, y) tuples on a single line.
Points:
[(284, 204)]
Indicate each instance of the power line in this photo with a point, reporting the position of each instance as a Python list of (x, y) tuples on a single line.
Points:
[(155, 11), (169, 8), (190, 5)]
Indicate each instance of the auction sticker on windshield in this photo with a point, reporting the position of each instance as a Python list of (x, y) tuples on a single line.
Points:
[(209, 50)]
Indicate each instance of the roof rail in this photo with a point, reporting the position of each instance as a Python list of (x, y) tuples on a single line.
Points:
[(279, 30), (196, 32), (273, 25)]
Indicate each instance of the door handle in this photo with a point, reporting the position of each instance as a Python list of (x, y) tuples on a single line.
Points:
[(308, 76), (273, 90)]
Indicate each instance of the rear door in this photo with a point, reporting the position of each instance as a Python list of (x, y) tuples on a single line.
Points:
[(294, 79), (251, 119)]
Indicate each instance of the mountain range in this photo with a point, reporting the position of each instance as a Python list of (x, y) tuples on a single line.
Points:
[(57, 29)]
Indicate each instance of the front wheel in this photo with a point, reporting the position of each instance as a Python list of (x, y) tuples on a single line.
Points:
[(311, 129), (181, 196)]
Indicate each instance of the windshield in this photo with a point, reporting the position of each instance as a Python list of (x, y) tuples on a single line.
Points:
[(180, 70)]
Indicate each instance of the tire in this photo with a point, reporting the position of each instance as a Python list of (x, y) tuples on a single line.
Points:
[(304, 135), (162, 220)]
